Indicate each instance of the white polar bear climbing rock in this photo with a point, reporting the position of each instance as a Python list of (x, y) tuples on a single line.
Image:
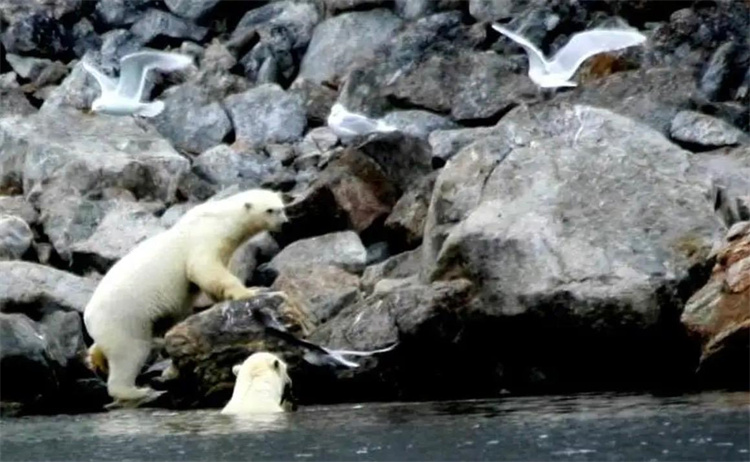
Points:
[(157, 280), (261, 382)]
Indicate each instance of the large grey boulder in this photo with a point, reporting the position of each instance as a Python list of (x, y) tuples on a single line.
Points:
[(160, 24), (191, 119), (340, 41), (65, 150), (37, 290), (603, 219), (342, 249), (225, 166), (99, 233), (266, 114)]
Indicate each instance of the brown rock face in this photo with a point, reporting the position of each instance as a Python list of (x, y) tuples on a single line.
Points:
[(719, 314)]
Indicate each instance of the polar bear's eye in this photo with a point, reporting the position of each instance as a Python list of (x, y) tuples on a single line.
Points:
[(270, 211)]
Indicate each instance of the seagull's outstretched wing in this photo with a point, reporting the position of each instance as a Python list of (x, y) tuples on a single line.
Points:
[(536, 57), (315, 354), (135, 66), (589, 43), (106, 83)]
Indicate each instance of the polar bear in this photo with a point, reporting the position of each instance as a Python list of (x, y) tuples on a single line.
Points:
[(159, 279), (262, 385)]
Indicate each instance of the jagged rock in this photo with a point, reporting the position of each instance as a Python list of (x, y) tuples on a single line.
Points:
[(191, 9), (441, 84), (37, 290), (414, 9), (418, 124), (78, 90), (399, 266), (653, 96), (729, 170), (718, 316), (282, 31), (19, 207), (342, 250), (205, 346), (490, 10), (321, 291), (26, 371), (712, 81), (63, 332), (15, 237), (59, 152), (118, 13), (694, 128), (266, 114), (351, 193), (100, 232), (259, 248), (446, 143), (13, 102), (318, 141), (191, 120), (84, 37), (421, 319), (405, 160), (32, 69), (13, 10), (155, 24), (318, 99), (36, 34), (225, 166), (339, 41), (405, 224)]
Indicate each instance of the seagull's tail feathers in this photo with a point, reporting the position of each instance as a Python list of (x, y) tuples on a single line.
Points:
[(152, 109)]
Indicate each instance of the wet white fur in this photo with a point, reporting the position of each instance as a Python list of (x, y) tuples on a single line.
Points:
[(259, 386)]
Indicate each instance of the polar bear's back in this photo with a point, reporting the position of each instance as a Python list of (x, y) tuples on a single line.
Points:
[(152, 275)]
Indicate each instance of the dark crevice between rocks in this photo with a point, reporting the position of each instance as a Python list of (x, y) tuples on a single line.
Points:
[(405, 105), (694, 147), (366, 6), (488, 121)]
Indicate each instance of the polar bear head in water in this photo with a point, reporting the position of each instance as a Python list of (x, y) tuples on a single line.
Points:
[(261, 385)]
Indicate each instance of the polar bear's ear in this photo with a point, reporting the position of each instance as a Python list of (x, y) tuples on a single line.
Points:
[(236, 369), (248, 206)]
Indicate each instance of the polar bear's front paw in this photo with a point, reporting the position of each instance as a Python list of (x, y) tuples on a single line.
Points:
[(240, 293)]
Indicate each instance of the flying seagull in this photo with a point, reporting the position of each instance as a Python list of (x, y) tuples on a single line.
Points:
[(349, 125), (583, 45), (123, 96)]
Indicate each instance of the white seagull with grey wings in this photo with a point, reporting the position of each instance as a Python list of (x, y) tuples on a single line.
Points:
[(557, 71), (123, 96)]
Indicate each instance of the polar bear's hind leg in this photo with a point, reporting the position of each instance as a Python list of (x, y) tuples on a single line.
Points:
[(124, 366)]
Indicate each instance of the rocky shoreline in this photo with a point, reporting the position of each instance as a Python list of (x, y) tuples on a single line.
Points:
[(510, 241)]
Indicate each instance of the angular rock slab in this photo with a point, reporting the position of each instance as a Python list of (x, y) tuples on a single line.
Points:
[(35, 289), (339, 41), (718, 315), (66, 150)]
